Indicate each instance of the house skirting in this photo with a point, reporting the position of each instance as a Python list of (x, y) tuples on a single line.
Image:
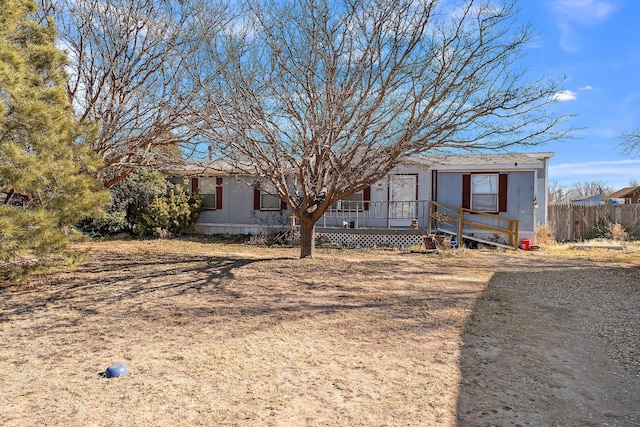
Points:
[(349, 237), (245, 229), (371, 237)]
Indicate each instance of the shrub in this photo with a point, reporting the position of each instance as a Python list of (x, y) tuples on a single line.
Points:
[(129, 198), (616, 231), (169, 215), (105, 224), (545, 235), (606, 229)]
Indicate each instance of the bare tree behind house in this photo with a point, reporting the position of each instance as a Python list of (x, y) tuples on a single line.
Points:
[(321, 99), (127, 75), (578, 190), (557, 193)]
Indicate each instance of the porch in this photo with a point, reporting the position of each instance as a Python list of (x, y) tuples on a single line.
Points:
[(390, 224), (404, 223)]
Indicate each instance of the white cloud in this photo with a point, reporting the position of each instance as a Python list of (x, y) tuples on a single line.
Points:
[(563, 96), (616, 173), (571, 13), (588, 167), (587, 87), (568, 40), (588, 12)]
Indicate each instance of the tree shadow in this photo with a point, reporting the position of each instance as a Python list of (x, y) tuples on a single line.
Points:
[(173, 289), (110, 278)]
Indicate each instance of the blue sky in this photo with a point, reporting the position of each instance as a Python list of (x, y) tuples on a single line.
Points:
[(596, 45)]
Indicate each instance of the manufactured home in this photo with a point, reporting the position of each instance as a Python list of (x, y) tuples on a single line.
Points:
[(489, 198)]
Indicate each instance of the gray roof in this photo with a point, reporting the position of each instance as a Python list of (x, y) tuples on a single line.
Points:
[(502, 161), (487, 160), (205, 168), (484, 159)]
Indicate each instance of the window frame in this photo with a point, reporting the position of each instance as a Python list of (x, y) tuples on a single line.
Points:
[(495, 193), (364, 203), (360, 204), (503, 191), (275, 197), (215, 190), (258, 197)]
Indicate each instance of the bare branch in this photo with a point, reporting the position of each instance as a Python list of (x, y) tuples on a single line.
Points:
[(631, 143), (324, 98), (129, 61)]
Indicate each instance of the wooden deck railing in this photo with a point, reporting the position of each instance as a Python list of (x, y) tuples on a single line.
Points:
[(427, 215), (382, 212), (441, 213)]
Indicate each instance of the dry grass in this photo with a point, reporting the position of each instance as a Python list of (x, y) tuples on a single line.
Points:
[(224, 334), (220, 334), (545, 235), (616, 232)]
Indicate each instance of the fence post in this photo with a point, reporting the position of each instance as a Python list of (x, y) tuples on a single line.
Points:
[(570, 224)]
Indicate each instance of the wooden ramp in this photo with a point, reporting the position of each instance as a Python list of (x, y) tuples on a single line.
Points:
[(475, 239), (455, 220)]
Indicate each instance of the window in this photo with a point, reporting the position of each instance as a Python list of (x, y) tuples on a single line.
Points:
[(484, 193), (269, 202), (209, 190), (355, 202), (266, 199)]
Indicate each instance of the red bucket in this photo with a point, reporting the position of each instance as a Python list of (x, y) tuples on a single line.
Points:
[(525, 244)]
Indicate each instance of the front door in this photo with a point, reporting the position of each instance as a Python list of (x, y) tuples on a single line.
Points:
[(402, 200)]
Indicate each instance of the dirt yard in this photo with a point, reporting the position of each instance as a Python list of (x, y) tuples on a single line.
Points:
[(235, 335)]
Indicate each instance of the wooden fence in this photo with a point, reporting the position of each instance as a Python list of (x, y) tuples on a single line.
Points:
[(575, 223)]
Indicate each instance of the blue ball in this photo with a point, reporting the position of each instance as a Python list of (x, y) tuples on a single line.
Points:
[(115, 371)]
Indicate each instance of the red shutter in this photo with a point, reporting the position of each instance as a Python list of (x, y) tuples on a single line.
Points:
[(194, 185), (256, 199), (218, 193), (466, 191), (502, 192), (434, 186), (366, 197)]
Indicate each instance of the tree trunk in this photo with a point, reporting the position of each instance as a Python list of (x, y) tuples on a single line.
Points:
[(307, 239)]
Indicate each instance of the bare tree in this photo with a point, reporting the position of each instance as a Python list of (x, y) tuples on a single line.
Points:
[(631, 142), (580, 190), (128, 63), (558, 193), (323, 98)]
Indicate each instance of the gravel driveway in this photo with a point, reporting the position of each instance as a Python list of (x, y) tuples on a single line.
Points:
[(554, 342)]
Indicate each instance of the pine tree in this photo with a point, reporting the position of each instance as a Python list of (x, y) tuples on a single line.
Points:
[(45, 165)]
